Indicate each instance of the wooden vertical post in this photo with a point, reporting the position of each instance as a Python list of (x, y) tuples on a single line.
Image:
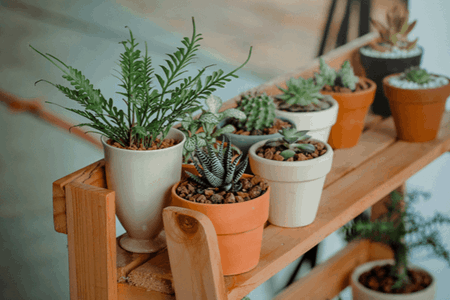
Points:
[(194, 255), (91, 236), (379, 208)]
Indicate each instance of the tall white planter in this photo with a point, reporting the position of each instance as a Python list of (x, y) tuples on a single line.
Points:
[(142, 182), (296, 187), (360, 292), (318, 123)]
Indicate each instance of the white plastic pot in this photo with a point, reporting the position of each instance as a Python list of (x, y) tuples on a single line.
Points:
[(142, 182), (360, 292), (318, 123), (296, 187)]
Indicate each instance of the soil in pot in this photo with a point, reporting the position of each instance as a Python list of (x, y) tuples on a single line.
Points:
[(378, 279), (273, 153), (353, 108), (277, 125), (166, 143), (282, 105)]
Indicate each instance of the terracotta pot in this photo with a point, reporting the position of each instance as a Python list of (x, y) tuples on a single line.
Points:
[(296, 187), (142, 182), (239, 228), (360, 292), (318, 123), (353, 108), (377, 68), (417, 112)]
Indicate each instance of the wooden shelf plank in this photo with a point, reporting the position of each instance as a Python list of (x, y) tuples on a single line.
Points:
[(341, 201)]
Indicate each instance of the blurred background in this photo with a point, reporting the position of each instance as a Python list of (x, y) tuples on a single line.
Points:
[(285, 35)]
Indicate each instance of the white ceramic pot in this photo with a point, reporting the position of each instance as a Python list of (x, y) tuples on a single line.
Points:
[(142, 182), (360, 292), (296, 187), (318, 123)]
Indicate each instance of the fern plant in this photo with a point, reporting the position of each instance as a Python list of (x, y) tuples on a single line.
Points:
[(259, 111), (208, 121), (402, 229), (155, 102), (345, 77), (301, 91), (217, 170)]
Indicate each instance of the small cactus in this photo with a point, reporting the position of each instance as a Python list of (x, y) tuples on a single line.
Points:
[(417, 75), (301, 91), (344, 77), (217, 170), (260, 112), (396, 32)]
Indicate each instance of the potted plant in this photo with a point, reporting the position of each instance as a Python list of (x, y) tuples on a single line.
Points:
[(303, 104), (296, 167), (204, 130), (402, 229), (393, 53), (417, 101), (236, 203), (142, 151), (259, 122), (354, 95)]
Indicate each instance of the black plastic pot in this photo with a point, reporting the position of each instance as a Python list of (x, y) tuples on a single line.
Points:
[(377, 68)]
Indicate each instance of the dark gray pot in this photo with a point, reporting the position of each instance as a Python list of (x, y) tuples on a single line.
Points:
[(244, 142)]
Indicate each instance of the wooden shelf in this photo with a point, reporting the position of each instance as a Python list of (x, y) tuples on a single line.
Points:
[(360, 178)]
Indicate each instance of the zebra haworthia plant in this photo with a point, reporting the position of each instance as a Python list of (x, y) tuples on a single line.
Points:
[(289, 139), (217, 169)]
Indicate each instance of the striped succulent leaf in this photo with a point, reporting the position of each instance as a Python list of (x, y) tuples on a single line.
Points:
[(231, 170), (240, 170), (216, 166)]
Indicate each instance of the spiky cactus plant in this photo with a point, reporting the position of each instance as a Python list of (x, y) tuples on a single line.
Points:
[(417, 75), (217, 170), (302, 92), (259, 111), (396, 32), (345, 77)]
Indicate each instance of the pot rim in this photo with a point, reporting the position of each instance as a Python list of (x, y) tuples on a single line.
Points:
[(265, 135), (174, 187), (386, 83), (335, 105), (377, 293), (309, 162), (373, 87), (391, 58), (180, 144)]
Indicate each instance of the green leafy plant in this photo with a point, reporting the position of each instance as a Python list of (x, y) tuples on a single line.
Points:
[(207, 121), (345, 77), (259, 111), (301, 91), (217, 170), (395, 34), (151, 109), (402, 229), (417, 75), (289, 139)]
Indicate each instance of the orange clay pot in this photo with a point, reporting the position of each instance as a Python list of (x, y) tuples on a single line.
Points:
[(353, 108), (417, 113), (239, 228)]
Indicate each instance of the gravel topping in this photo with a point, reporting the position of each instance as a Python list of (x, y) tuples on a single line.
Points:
[(436, 81), (395, 53)]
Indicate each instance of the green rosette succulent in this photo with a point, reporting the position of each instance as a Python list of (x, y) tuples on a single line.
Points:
[(289, 139), (417, 75), (344, 77), (301, 91)]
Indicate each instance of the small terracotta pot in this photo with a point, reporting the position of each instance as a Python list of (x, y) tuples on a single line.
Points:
[(417, 112), (353, 108), (239, 228)]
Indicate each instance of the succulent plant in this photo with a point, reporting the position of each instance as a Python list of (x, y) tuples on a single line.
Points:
[(289, 137), (301, 91), (417, 75), (217, 170), (208, 121), (344, 77), (259, 111), (396, 32)]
